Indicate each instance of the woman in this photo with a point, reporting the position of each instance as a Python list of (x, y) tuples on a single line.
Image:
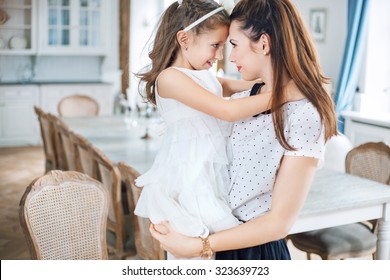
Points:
[(274, 155)]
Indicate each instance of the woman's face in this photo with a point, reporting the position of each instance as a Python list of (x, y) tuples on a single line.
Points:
[(245, 54)]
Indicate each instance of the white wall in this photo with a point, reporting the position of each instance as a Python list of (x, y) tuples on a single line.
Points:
[(50, 68), (330, 51), (144, 17), (377, 78), (374, 97), (110, 71)]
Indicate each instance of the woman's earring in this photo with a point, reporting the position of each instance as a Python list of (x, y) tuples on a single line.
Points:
[(265, 53)]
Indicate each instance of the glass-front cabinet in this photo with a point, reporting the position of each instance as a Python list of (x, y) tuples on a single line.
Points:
[(17, 27), (73, 27)]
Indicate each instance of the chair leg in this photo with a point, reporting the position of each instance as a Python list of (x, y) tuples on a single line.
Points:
[(308, 255)]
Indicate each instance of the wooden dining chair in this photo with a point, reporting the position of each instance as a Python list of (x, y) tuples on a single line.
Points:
[(85, 161), (63, 215), (120, 236), (371, 161), (66, 149), (48, 139), (78, 105), (147, 247)]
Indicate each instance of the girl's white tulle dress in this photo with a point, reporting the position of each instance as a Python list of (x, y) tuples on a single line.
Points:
[(188, 182)]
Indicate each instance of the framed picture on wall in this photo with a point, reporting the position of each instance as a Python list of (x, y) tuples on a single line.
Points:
[(317, 24)]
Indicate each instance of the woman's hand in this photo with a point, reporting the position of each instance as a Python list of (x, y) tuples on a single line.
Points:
[(179, 245)]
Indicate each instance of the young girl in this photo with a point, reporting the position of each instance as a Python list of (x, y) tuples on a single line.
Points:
[(188, 182), (274, 156)]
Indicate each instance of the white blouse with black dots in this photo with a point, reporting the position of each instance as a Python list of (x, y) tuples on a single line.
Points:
[(256, 154)]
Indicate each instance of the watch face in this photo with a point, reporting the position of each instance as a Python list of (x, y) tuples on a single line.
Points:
[(209, 254)]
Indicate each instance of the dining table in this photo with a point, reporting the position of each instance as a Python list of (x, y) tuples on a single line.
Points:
[(335, 198)]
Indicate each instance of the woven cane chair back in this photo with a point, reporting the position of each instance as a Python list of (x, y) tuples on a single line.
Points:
[(370, 160), (78, 106), (64, 215)]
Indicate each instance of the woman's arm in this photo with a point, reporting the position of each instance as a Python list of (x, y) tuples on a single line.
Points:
[(232, 86), (174, 84), (290, 191)]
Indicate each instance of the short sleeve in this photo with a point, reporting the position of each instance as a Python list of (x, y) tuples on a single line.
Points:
[(305, 132)]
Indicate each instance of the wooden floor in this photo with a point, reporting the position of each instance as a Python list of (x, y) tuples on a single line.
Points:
[(18, 167)]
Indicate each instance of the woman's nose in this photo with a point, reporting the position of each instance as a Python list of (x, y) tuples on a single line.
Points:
[(232, 58)]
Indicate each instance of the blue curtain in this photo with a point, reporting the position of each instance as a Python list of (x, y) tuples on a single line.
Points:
[(353, 56)]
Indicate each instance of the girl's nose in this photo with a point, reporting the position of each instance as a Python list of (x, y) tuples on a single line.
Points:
[(219, 54)]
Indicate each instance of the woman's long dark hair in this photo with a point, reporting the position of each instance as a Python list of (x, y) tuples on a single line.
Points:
[(292, 50)]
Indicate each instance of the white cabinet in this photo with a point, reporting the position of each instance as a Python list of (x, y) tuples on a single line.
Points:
[(73, 27), (102, 93), (363, 127), (18, 122), (54, 27), (18, 27), (19, 125)]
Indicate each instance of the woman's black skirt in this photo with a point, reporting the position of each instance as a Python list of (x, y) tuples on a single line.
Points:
[(275, 250)]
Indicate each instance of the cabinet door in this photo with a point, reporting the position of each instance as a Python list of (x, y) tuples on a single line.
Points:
[(19, 124), (73, 27), (18, 27), (19, 118)]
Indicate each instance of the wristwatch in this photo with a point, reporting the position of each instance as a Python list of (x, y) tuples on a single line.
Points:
[(207, 252)]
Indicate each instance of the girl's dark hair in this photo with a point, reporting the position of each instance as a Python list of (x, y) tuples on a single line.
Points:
[(165, 45), (292, 50)]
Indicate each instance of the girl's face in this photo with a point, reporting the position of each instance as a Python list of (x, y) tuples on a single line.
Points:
[(247, 55), (206, 48)]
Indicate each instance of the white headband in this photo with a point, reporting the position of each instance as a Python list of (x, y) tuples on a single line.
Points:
[(206, 16)]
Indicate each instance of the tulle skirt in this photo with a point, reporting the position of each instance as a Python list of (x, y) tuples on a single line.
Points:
[(188, 182)]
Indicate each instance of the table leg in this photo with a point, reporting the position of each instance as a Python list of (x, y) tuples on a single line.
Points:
[(383, 244)]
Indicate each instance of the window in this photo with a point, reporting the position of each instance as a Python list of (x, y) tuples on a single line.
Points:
[(375, 83)]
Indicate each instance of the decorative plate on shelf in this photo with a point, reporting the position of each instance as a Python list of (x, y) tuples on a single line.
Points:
[(3, 17), (18, 42)]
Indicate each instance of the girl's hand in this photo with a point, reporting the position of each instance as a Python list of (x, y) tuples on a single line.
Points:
[(179, 245), (232, 86)]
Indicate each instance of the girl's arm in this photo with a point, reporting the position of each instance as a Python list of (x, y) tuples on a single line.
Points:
[(290, 191), (174, 84), (232, 86)]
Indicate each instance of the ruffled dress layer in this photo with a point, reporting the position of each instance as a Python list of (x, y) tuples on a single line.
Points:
[(188, 182)]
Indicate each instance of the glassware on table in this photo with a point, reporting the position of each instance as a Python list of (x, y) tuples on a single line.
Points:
[(131, 114), (151, 117)]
